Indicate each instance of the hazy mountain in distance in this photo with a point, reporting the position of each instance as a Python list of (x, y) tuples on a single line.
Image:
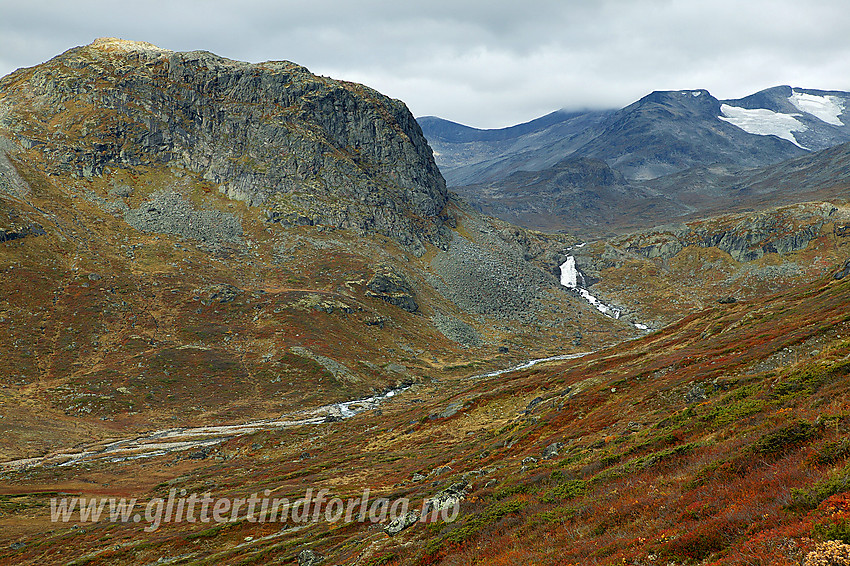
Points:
[(662, 133)]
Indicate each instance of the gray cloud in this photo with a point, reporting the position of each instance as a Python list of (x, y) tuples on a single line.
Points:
[(487, 64)]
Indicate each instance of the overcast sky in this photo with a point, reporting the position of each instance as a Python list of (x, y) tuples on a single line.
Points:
[(484, 63)]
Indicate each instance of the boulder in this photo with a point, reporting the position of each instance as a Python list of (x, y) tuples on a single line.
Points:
[(391, 286), (309, 558), (400, 523)]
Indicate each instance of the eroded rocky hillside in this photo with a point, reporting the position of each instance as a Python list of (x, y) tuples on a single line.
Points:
[(188, 239)]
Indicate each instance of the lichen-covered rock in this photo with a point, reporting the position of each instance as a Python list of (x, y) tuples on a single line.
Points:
[(390, 285), (309, 149), (308, 557), (447, 498), (402, 522)]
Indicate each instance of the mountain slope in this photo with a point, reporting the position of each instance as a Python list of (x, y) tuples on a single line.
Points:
[(186, 239), (721, 438), (578, 194), (468, 155), (668, 131), (820, 175)]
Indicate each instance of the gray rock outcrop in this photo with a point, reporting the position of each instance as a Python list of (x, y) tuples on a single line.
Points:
[(309, 149), (745, 239), (400, 523), (390, 285)]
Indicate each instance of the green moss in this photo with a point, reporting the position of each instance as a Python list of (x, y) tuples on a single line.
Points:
[(724, 414), (555, 516), (567, 490), (207, 533), (507, 491), (806, 500), (786, 437), (831, 452), (380, 560), (833, 531)]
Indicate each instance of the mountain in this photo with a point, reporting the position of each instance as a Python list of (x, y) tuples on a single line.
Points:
[(578, 194), (189, 239), (662, 133), (586, 196), (468, 155), (668, 131), (318, 140), (816, 176), (228, 288), (595, 205), (674, 154)]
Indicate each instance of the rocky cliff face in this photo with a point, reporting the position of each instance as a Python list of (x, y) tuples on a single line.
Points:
[(309, 149), (744, 239)]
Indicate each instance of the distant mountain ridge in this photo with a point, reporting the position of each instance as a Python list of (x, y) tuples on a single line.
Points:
[(467, 155), (671, 154), (662, 133)]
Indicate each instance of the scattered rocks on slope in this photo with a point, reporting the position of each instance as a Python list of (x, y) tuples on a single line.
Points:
[(457, 331), (491, 278), (171, 213), (224, 293)]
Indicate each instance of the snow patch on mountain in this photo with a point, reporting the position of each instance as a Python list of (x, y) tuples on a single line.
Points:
[(763, 122), (825, 108)]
